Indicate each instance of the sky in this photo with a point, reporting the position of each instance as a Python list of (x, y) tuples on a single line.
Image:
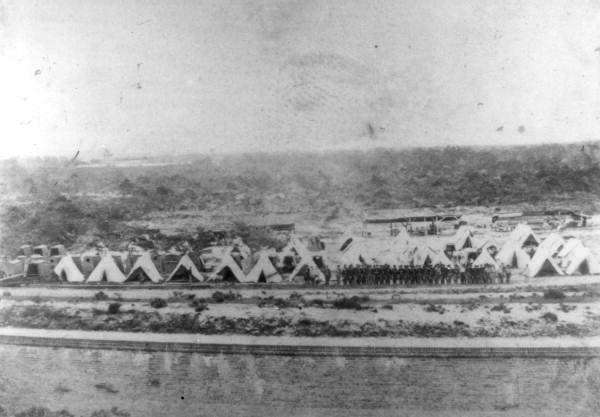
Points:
[(147, 78)]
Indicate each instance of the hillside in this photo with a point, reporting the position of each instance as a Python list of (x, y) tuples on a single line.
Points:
[(56, 200)]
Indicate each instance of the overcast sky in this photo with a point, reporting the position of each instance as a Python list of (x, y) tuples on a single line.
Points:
[(199, 76)]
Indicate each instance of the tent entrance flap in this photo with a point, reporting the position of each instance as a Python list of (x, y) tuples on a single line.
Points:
[(547, 269), (227, 275), (139, 275), (183, 275)]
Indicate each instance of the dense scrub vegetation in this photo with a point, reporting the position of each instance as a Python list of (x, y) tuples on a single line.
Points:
[(54, 200)]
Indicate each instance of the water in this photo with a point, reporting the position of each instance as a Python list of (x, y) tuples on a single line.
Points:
[(183, 384)]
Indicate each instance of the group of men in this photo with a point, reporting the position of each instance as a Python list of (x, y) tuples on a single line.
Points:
[(411, 275)]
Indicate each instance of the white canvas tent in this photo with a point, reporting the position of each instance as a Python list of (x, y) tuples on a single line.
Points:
[(314, 271), (264, 270), (463, 238), (185, 271), (512, 256), (106, 271), (581, 261), (524, 235), (68, 271), (144, 270), (228, 270), (542, 263), (425, 254), (569, 246), (553, 243), (485, 259)]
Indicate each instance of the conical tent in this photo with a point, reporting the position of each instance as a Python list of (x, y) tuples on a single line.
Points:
[(264, 271), (512, 256), (543, 264), (68, 271), (144, 270), (228, 270), (524, 235), (106, 271), (581, 261), (485, 259), (185, 271)]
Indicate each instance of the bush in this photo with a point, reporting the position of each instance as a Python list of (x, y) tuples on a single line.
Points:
[(387, 307), (158, 303), (6, 294), (501, 307), (432, 308), (100, 296), (550, 317), (200, 308), (554, 294), (113, 308), (221, 297), (345, 303)]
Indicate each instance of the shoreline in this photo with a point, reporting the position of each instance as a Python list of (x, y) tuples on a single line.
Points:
[(444, 347)]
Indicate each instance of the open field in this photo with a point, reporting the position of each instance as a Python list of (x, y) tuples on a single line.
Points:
[(516, 310)]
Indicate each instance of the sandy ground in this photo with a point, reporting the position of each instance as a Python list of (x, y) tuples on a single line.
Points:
[(320, 292), (451, 342)]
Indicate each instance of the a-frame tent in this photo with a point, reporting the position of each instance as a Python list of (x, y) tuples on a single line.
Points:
[(581, 261), (513, 256), (228, 270), (485, 259), (185, 271), (463, 238), (106, 271), (542, 263), (264, 270), (524, 235), (144, 270), (553, 243), (570, 246), (66, 270), (307, 262)]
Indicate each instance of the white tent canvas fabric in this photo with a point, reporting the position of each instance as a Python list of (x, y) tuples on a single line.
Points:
[(106, 270), (524, 235), (553, 243), (485, 259), (463, 238), (228, 264), (542, 263), (425, 254), (581, 261), (144, 270), (512, 256), (185, 271), (308, 262), (264, 269), (68, 271), (569, 246)]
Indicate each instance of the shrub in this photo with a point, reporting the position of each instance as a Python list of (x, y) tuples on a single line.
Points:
[(554, 294), (100, 296), (158, 303), (432, 308), (6, 294), (501, 307), (387, 307), (221, 297), (200, 308), (345, 303), (550, 317), (113, 308)]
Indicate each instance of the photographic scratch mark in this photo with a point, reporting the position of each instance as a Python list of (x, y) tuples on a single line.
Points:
[(499, 128), (144, 22), (37, 72), (521, 129), (75, 157), (28, 122)]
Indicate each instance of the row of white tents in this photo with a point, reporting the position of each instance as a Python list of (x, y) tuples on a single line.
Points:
[(523, 250), (144, 269)]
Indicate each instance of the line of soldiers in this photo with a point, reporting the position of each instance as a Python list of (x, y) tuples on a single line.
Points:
[(410, 275)]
